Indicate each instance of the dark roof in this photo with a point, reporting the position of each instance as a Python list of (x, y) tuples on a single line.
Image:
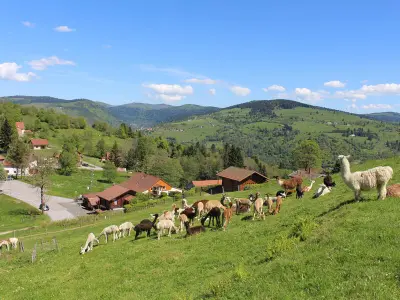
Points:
[(140, 182), (237, 174), (200, 183), (39, 142), (112, 192)]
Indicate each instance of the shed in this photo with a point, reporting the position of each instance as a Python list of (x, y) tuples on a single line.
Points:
[(235, 179), (114, 197)]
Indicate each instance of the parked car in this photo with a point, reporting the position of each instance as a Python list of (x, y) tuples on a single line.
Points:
[(45, 207)]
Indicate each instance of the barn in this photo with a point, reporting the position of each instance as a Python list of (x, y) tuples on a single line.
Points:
[(115, 196), (235, 179)]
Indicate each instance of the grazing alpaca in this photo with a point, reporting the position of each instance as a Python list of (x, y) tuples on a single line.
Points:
[(199, 206), (227, 215), (189, 213), (5, 243), (211, 204), (322, 190), (125, 227), (289, 184), (258, 208), (213, 214), (242, 201), (308, 188), (365, 180), (393, 190), (145, 226), (328, 181), (168, 215), (112, 229), (89, 243), (270, 200), (14, 242), (299, 192), (163, 225), (193, 230)]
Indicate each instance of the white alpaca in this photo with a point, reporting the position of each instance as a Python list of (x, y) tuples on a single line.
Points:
[(112, 229), (5, 243), (365, 180), (258, 208), (89, 243), (322, 190), (165, 225), (13, 242), (125, 227), (308, 188)]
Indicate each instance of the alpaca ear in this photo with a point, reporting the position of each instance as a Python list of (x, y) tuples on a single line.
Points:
[(347, 156)]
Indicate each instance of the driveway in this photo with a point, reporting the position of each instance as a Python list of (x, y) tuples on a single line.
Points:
[(90, 167), (60, 208)]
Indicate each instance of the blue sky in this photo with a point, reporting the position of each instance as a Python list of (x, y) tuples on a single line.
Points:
[(342, 54)]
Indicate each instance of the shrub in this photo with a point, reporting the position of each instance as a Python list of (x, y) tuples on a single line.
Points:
[(190, 193)]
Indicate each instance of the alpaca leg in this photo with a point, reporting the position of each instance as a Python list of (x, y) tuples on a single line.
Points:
[(382, 191), (106, 235), (159, 234)]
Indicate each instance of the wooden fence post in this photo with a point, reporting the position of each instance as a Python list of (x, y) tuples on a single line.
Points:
[(21, 246), (55, 243), (34, 254)]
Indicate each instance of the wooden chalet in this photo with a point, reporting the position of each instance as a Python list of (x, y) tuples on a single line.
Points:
[(235, 179), (203, 183), (115, 196), (144, 183), (91, 201)]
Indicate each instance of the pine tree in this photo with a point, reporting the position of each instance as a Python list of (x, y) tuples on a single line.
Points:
[(101, 148), (5, 135), (116, 155)]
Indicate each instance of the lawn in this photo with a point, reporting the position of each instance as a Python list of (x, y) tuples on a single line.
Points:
[(15, 214), (326, 248)]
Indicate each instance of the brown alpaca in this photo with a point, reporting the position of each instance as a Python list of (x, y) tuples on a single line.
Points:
[(393, 190), (289, 184), (278, 205), (227, 215)]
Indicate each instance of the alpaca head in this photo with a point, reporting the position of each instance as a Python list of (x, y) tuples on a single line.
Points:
[(83, 250), (342, 157)]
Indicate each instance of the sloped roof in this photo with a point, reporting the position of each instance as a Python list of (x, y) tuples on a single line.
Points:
[(92, 198), (112, 192), (140, 182), (20, 125), (237, 174), (39, 142), (201, 183), (7, 163), (2, 157)]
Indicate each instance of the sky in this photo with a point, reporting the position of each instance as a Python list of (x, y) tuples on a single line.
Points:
[(343, 54)]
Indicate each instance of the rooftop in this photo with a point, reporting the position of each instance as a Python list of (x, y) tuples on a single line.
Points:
[(112, 192), (237, 174), (39, 142), (201, 183), (140, 182)]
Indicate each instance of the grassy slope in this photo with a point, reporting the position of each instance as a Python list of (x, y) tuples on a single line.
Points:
[(351, 254), (12, 214)]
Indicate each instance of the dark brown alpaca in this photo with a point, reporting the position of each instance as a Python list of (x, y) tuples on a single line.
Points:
[(145, 225), (193, 230)]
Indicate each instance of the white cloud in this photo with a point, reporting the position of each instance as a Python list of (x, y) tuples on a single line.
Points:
[(240, 91), (350, 94), (42, 64), (9, 71), (171, 98), (377, 106), (28, 24), (212, 91), (383, 89), (202, 81), (172, 89), (63, 29), (307, 95), (335, 84), (275, 87)]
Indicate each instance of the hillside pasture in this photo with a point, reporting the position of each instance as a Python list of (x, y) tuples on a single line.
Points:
[(325, 248)]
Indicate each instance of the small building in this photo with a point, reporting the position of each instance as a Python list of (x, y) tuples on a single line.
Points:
[(91, 201), (38, 144), (115, 196), (235, 179), (20, 128), (203, 183), (12, 170), (144, 183)]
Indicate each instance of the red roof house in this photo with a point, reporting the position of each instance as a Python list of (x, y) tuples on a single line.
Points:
[(142, 183), (39, 143), (235, 179), (20, 128), (114, 197)]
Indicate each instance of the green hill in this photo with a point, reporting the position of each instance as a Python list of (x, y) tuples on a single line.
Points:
[(384, 116), (271, 129), (325, 248)]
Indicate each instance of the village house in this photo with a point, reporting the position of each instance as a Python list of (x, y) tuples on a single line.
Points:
[(203, 183), (38, 144), (144, 183), (12, 170), (91, 201), (235, 179), (21, 129), (115, 196)]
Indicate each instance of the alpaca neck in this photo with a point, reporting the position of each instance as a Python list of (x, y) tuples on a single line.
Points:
[(280, 181), (312, 182), (345, 169), (155, 219)]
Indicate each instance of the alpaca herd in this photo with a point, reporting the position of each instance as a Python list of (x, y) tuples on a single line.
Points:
[(11, 242), (213, 210)]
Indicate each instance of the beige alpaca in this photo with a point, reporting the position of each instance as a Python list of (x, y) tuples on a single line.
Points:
[(308, 188), (5, 243), (14, 242), (89, 243), (112, 229), (258, 208), (211, 204), (125, 227), (165, 225)]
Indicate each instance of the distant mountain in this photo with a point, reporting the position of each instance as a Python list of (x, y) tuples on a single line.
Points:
[(135, 114), (384, 116)]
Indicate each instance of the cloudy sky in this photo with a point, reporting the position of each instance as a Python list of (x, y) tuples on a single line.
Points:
[(342, 54)]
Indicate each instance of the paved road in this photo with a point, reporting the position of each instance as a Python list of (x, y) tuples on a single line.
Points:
[(60, 208), (91, 167)]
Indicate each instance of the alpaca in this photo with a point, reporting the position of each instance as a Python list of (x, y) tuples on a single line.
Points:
[(125, 227), (278, 205), (321, 191), (168, 215), (393, 190), (258, 209), (190, 213), (163, 225), (299, 192), (270, 200), (14, 242), (289, 184), (242, 201), (213, 214), (225, 198), (199, 206), (308, 188), (211, 204), (227, 215), (145, 225), (185, 204), (193, 230), (328, 181), (5, 243), (89, 243), (365, 180), (112, 229)]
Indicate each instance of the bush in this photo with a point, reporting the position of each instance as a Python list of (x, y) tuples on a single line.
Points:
[(140, 197), (190, 193), (164, 195)]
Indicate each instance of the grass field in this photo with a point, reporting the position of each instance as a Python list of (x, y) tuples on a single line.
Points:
[(325, 248), (14, 214)]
